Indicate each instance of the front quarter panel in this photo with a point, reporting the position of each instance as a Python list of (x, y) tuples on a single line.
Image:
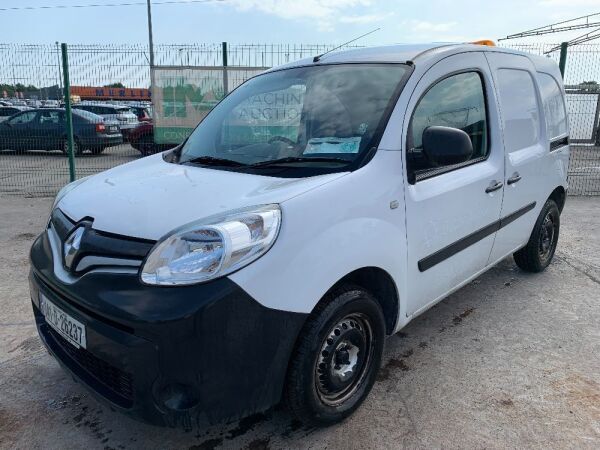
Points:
[(330, 231)]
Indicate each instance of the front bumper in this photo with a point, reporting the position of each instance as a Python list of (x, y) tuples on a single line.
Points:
[(166, 355)]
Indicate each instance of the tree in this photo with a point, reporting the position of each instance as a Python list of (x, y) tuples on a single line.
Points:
[(115, 85), (591, 86)]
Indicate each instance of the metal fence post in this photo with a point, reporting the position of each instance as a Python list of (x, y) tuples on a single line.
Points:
[(67, 95), (563, 58), (225, 74)]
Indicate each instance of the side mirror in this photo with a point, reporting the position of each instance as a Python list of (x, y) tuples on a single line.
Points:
[(445, 146)]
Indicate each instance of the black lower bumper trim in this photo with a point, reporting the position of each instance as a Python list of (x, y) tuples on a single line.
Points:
[(109, 381)]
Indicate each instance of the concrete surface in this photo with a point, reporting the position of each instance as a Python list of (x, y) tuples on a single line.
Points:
[(510, 361)]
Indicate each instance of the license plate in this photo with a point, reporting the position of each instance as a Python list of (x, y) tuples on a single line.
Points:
[(112, 129), (69, 328)]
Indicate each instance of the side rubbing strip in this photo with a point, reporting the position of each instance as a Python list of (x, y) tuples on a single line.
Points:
[(554, 145), (452, 249)]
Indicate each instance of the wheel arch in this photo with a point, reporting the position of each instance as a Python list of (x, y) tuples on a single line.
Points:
[(379, 283), (559, 195)]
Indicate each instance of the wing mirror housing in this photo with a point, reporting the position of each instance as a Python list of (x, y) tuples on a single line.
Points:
[(445, 146)]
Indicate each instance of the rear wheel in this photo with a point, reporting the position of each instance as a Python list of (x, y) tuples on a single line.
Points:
[(77, 149), (540, 248), (336, 358)]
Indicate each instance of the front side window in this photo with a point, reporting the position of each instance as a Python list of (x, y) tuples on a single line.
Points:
[(457, 102), (24, 118), (318, 118)]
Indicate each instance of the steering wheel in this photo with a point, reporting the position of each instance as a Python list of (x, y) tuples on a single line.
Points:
[(282, 139)]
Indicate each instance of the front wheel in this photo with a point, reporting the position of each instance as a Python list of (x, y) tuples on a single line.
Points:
[(540, 248), (336, 358)]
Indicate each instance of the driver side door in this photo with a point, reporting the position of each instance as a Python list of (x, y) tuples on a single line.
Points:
[(451, 210)]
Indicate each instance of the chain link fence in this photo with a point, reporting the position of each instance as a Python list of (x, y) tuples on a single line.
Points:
[(112, 105), (113, 108), (582, 86)]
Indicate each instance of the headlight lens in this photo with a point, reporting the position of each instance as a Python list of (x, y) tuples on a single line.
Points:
[(213, 247)]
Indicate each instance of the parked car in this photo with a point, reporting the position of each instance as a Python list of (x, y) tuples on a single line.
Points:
[(142, 139), (7, 111), (122, 114), (5, 103), (45, 129), (143, 113), (50, 104), (320, 207)]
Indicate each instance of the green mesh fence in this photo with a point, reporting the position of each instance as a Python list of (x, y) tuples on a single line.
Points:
[(112, 105), (113, 108)]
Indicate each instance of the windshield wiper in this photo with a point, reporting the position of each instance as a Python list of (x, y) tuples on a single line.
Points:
[(214, 161), (299, 159)]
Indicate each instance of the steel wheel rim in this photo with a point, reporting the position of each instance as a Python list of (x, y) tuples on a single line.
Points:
[(344, 359), (547, 237), (66, 147)]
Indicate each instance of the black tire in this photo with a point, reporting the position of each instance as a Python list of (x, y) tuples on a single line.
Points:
[(348, 320), (540, 248), (77, 148), (97, 150)]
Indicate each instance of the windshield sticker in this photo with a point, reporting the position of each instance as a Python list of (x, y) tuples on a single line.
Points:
[(333, 145)]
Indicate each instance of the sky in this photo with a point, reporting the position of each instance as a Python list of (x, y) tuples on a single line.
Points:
[(286, 21)]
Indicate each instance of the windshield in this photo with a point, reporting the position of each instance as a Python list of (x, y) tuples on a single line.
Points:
[(317, 117)]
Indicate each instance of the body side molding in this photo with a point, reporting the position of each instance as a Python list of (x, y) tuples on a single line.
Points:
[(450, 250)]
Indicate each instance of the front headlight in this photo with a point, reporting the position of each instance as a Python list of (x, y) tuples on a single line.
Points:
[(213, 247)]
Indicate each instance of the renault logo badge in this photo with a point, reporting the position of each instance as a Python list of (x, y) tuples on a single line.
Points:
[(71, 246)]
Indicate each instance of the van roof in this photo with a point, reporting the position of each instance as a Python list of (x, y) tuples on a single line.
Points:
[(414, 53)]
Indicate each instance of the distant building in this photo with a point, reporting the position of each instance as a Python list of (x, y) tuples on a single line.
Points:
[(110, 93)]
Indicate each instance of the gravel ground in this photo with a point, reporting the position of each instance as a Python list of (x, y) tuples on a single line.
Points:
[(509, 361), (40, 173)]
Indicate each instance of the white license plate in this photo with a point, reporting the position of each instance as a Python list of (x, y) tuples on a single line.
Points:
[(69, 328)]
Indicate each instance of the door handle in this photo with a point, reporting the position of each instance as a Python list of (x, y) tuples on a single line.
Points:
[(494, 186), (512, 180)]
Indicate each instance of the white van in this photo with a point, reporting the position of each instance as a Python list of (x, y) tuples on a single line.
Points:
[(320, 207)]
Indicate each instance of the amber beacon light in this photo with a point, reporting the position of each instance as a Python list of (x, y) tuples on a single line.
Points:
[(487, 42)]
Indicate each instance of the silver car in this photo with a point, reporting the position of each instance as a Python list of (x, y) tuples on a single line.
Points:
[(122, 114)]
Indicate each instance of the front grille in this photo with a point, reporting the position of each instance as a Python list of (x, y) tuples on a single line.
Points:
[(116, 380)]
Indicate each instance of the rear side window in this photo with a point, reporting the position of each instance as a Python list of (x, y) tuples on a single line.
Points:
[(519, 107), (554, 106), (52, 117), (458, 102)]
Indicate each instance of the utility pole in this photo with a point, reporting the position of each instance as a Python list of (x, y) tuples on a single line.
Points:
[(58, 53), (563, 58), (150, 42)]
